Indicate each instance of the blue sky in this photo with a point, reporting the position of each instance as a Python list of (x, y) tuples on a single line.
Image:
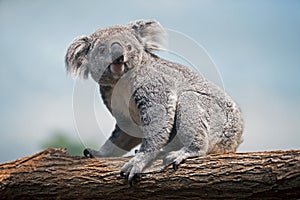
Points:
[(255, 45)]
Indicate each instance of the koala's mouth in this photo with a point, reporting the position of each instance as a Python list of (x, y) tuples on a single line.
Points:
[(118, 67), (119, 60)]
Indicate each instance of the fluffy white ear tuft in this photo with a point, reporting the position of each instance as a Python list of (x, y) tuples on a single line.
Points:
[(150, 33), (76, 57)]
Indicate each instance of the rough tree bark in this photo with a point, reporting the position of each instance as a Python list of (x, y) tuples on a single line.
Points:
[(56, 175)]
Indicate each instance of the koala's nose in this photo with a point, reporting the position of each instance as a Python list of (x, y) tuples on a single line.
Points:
[(117, 53)]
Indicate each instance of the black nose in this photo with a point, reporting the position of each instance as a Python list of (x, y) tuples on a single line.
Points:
[(117, 53)]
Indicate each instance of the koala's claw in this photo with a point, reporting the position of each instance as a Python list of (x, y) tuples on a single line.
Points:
[(175, 166), (134, 178), (87, 153), (130, 178), (176, 158)]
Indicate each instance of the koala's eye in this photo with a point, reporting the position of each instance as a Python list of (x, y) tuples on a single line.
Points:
[(129, 47), (101, 49)]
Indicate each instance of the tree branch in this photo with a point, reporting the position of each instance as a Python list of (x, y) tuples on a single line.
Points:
[(56, 175)]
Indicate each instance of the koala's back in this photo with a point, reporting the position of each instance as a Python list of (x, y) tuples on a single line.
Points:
[(223, 116)]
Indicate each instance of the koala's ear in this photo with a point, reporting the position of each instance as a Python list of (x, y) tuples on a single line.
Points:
[(76, 57), (150, 33)]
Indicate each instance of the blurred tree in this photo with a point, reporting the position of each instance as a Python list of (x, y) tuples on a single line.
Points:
[(60, 139)]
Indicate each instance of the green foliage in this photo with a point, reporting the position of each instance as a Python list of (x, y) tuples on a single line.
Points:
[(60, 139)]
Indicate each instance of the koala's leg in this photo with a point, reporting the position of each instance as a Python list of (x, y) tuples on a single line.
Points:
[(192, 129), (118, 144), (158, 120)]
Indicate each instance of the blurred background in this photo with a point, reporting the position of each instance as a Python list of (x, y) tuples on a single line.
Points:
[(254, 43)]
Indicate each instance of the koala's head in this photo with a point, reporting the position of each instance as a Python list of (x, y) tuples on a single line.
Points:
[(110, 52)]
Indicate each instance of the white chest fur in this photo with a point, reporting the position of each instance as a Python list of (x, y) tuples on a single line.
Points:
[(123, 110)]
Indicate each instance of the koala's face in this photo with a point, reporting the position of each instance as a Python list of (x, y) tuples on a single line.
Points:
[(110, 52)]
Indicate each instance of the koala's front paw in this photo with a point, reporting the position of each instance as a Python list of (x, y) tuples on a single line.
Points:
[(135, 166)]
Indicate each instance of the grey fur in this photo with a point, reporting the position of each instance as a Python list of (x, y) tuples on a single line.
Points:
[(168, 108)]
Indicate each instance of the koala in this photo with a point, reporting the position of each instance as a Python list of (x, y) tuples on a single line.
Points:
[(173, 112)]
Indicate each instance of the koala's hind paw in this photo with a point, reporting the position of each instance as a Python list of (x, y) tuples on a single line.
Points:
[(136, 151), (87, 153), (90, 153), (177, 157)]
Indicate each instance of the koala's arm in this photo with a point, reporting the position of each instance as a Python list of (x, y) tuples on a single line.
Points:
[(157, 112)]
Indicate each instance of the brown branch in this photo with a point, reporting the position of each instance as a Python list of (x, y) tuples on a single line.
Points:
[(55, 175)]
